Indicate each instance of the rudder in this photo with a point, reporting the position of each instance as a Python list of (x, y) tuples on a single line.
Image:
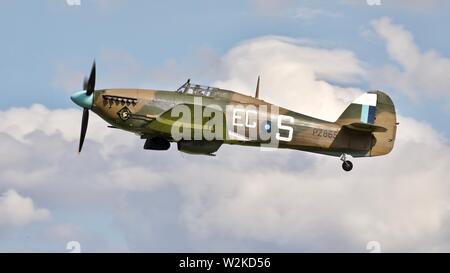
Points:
[(373, 113)]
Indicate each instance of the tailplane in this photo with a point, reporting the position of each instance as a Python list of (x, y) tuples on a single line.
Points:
[(372, 113)]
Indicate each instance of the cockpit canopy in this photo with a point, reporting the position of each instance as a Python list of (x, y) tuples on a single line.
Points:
[(196, 89)]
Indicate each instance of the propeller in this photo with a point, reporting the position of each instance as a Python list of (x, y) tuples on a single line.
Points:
[(84, 125), (89, 84), (85, 99)]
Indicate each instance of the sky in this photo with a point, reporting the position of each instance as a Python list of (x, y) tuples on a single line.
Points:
[(314, 57)]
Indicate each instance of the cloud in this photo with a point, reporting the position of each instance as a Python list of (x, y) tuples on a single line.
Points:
[(16, 210), (294, 75), (399, 200), (243, 199), (415, 73), (64, 122)]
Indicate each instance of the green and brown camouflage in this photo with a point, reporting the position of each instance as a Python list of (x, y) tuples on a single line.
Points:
[(147, 113), (366, 128)]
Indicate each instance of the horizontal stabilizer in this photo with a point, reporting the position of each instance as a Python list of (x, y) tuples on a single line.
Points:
[(365, 127)]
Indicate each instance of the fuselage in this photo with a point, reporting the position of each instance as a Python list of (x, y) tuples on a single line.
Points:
[(142, 111), (200, 119)]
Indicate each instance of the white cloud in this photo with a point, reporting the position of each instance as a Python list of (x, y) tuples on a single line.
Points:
[(16, 210), (132, 178), (306, 201), (243, 199), (289, 199), (416, 73), (294, 75), (66, 122), (400, 200)]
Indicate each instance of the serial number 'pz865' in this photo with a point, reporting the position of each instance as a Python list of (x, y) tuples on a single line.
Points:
[(324, 133)]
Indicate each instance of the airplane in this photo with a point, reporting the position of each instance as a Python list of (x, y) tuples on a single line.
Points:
[(366, 128)]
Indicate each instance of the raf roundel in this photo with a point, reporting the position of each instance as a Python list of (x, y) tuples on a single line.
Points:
[(268, 126)]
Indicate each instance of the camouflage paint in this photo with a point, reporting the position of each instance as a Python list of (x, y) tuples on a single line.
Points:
[(362, 129)]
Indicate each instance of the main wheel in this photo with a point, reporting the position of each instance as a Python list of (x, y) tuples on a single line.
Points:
[(347, 166)]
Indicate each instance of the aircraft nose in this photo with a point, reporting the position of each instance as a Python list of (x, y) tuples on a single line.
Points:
[(81, 99)]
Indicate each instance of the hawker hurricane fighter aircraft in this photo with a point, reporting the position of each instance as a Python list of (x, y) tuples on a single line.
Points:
[(200, 119)]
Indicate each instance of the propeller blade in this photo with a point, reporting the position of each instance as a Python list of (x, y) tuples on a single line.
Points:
[(84, 125), (90, 87), (85, 83)]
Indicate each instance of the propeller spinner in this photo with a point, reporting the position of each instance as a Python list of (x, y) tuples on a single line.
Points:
[(85, 99)]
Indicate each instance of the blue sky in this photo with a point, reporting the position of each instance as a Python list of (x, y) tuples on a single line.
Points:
[(48, 46), (41, 36)]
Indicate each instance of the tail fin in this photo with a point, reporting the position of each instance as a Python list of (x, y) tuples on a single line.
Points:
[(372, 112)]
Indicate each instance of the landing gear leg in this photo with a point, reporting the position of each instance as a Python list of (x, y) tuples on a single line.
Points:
[(347, 165)]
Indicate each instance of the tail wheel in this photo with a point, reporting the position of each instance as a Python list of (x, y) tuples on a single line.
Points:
[(347, 166)]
